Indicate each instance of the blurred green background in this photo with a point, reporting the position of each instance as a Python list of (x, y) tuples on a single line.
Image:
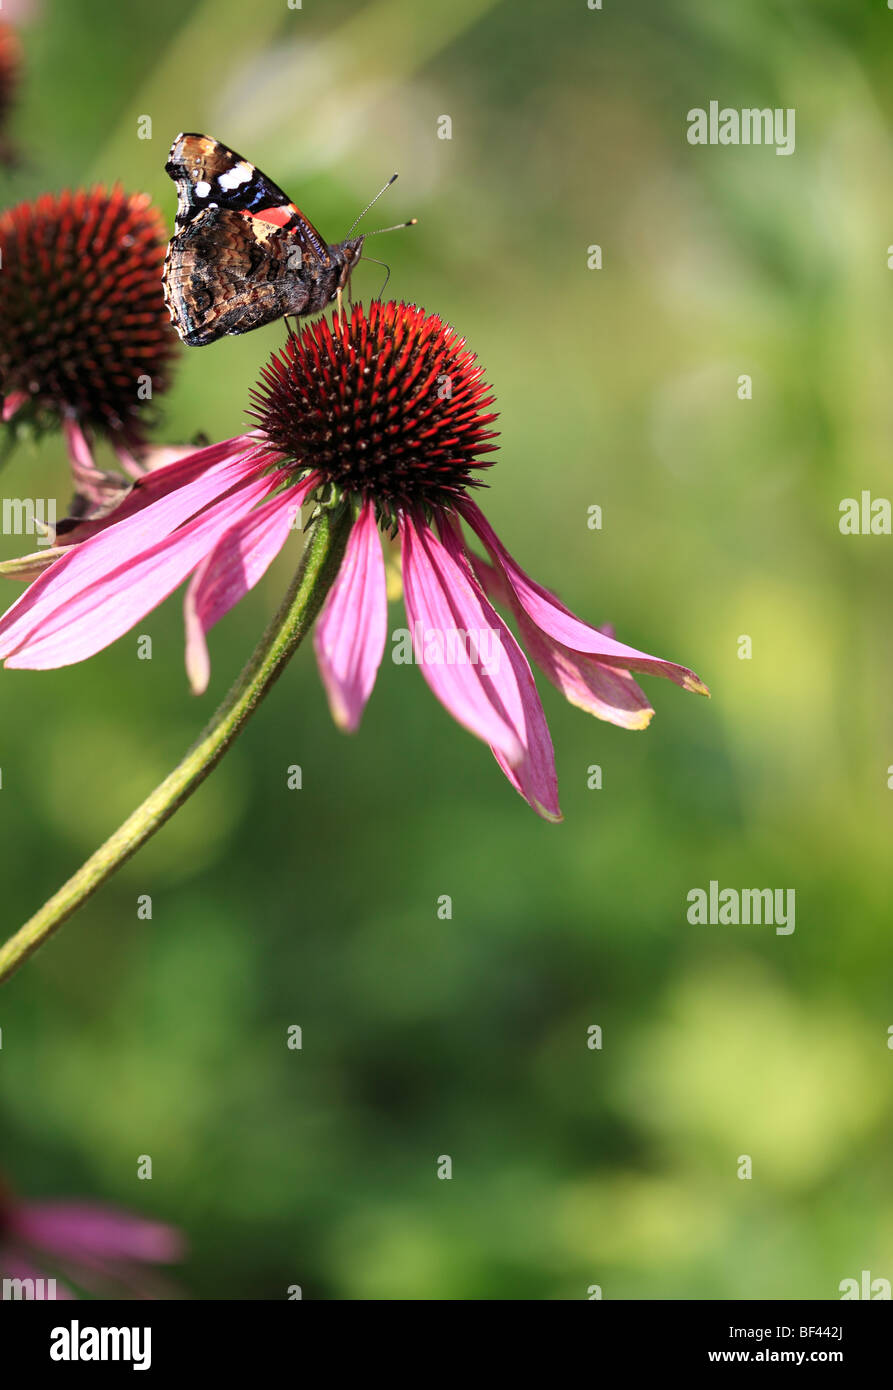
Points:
[(272, 907)]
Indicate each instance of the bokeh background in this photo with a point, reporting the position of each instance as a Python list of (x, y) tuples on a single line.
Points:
[(617, 387)]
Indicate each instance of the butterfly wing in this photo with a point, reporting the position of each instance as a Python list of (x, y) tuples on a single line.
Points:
[(225, 273), (210, 175), (242, 254)]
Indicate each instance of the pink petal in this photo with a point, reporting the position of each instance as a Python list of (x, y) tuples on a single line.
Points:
[(441, 600), (604, 691), (559, 623), (93, 560), (90, 482), (168, 480), (350, 633), (72, 1230), (235, 565), (534, 776), (82, 623), (608, 693), (132, 466)]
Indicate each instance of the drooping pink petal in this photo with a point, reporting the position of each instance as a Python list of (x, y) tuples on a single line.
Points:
[(173, 478), (441, 603), (559, 623), (72, 1230), (534, 776), (94, 487), (174, 500), (605, 691), (85, 622), (351, 631), (237, 563), (131, 465)]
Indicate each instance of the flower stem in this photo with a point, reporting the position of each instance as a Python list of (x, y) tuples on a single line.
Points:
[(319, 567)]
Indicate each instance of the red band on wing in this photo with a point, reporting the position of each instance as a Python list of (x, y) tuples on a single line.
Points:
[(278, 217)]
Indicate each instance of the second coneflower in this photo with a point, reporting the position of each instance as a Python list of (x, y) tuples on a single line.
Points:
[(85, 340), (384, 414)]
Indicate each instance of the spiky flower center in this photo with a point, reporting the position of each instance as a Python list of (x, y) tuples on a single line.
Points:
[(386, 403), (83, 326)]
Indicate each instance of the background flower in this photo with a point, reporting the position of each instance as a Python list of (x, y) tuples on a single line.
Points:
[(85, 339), (84, 1246)]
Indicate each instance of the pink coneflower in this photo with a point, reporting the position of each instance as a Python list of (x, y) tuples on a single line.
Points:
[(385, 413), (85, 339), (82, 1246)]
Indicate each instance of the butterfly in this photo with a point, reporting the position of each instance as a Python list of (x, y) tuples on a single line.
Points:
[(242, 254)]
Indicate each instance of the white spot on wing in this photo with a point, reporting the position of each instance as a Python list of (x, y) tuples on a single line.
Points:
[(202, 189), (238, 174)]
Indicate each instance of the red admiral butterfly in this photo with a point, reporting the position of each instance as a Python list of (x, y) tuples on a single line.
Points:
[(242, 254)]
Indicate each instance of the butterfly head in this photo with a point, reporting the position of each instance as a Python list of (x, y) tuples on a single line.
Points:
[(350, 252)]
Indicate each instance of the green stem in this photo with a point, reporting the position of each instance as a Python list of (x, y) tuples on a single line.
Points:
[(319, 566)]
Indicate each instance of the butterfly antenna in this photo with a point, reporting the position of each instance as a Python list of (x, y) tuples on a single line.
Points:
[(398, 226), (385, 266), (374, 200)]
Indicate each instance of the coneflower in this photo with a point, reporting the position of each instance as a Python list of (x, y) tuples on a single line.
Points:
[(85, 339), (384, 414)]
